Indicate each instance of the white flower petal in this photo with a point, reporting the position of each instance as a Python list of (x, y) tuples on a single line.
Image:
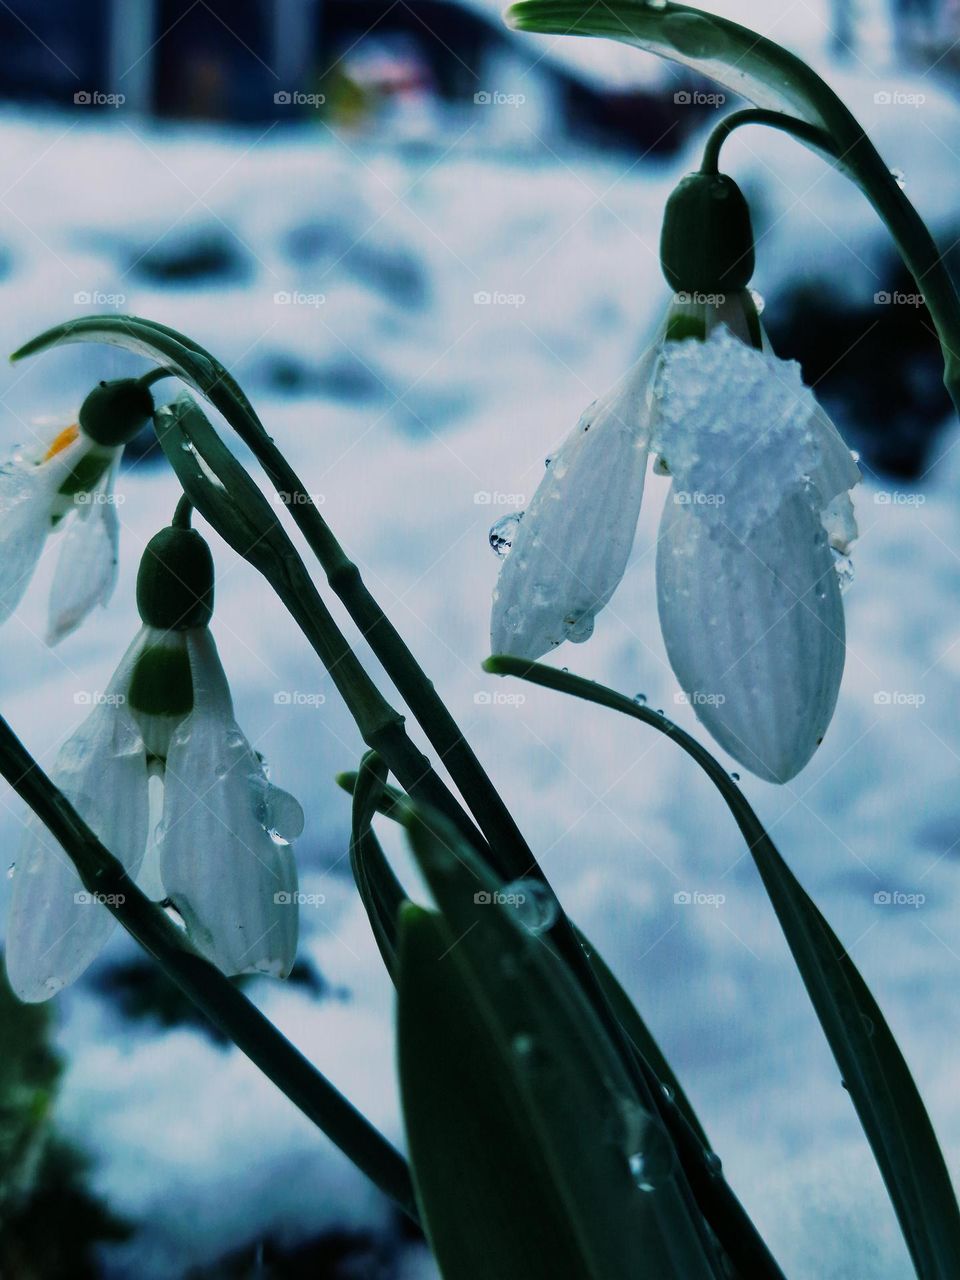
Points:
[(572, 546), (55, 928), (232, 881), (87, 566), (754, 631)]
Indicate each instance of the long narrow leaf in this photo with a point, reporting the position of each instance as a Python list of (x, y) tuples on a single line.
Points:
[(877, 1077)]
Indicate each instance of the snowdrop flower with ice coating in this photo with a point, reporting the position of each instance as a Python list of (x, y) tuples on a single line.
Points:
[(164, 776), (748, 595), (67, 481)]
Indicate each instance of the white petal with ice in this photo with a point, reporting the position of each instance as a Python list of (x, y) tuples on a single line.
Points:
[(28, 491), (224, 857), (572, 546), (87, 567), (749, 601), (56, 929)]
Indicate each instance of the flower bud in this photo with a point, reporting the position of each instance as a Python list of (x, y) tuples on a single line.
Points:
[(175, 581), (706, 245), (114, 412)]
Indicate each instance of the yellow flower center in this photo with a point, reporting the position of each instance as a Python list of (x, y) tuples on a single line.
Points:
[(63, 440)]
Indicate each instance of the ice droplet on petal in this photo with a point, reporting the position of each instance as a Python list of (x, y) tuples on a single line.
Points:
[(503, 532), (579, 627), (843, 566), (536, 907), (650, 1154), (899, 177)]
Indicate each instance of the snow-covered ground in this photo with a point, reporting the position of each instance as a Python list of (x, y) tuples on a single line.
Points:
[(452, 312)]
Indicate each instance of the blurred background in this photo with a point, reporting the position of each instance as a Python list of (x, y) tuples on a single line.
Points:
[(424, 243)]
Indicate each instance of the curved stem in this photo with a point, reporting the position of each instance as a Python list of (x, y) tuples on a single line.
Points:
[(223, 1003), (808, 134), (182, 514)]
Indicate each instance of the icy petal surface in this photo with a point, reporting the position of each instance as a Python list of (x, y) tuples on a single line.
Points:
[(56, 928), (87, 566), (570, 551), (225, 858), (748, 597)]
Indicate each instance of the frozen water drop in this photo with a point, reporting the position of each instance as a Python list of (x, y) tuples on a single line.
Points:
[(503, 533), (650, 1154), (714, 1163), (668, 1093), (844, 570), (10, 870), (758, 301), (640, 699), (536, 907), (899, 177), (735, 777), (660, 466), (579, 627)]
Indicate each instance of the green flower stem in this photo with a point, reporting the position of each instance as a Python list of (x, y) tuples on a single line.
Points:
[(508, 851), (769, 75), (182, 514), (808, 134), (222, 1002)]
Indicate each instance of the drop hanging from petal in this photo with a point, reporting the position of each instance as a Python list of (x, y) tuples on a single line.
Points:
[(503, 532)]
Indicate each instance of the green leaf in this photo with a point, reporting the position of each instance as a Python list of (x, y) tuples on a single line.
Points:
[(523, 1127), (874, 1070), (380, 891)]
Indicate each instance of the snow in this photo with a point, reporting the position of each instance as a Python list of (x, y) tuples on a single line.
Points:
[(414, 411)]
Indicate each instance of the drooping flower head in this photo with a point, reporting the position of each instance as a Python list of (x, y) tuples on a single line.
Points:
[(65, 482), (164, 776), (749, 599)]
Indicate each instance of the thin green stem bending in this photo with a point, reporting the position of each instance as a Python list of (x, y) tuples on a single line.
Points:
[(806, 133)]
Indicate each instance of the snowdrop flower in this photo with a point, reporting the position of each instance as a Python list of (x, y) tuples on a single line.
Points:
[(67, 482), (165, 777), (748, 592)]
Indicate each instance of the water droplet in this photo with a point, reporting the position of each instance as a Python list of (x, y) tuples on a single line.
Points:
[(844, 570), (547, 461), (899, 177), (536, 906), (660, 466), (503, 533), (220, 769), (714, 1164), (650, 1154), (735, 777), (656, 4), (523, 1045), (868, 1025), (640, 699), (579, 627), (668, 1093), (758, 301), (10, 870)]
